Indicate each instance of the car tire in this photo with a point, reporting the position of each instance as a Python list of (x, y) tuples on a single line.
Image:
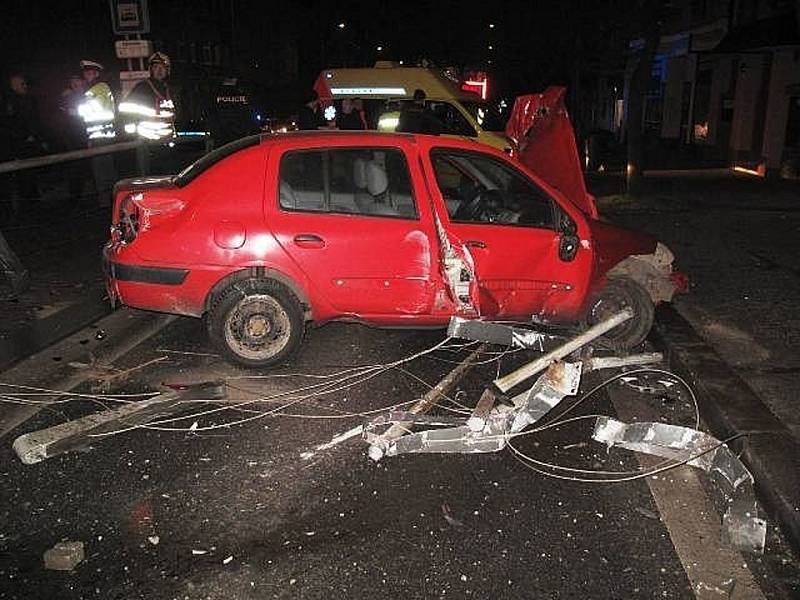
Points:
[(256, 322), (620, 293)]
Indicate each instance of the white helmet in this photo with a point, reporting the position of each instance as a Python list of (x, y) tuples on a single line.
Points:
[(158, 58), (90, 64)]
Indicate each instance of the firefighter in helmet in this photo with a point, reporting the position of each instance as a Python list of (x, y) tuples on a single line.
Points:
[(149, 111)]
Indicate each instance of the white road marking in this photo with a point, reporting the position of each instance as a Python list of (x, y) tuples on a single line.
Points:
[(715, 571)]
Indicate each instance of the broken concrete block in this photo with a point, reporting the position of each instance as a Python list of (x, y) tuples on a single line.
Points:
[(64, 556)]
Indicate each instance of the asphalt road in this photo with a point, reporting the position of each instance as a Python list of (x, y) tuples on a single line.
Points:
[(224, 510), (737, 239), (235, 512)]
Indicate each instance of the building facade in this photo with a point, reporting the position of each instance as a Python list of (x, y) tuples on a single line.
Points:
[(726, 87)]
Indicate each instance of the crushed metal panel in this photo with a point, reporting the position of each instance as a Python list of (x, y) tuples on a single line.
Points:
[(458, 271), (744, 528), (496, 333), (448, 440), (560, 380), (652, 271)]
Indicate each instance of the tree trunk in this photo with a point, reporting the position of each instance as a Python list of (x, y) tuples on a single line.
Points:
[(636, 96)]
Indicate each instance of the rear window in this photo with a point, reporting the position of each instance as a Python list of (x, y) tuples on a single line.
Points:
[(197, 168)]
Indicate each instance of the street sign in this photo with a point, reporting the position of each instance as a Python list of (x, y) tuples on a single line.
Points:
[(133, 48), (129, 16)]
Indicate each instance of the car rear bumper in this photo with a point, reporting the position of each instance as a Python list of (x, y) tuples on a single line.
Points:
[(164, 289), (157, 275)]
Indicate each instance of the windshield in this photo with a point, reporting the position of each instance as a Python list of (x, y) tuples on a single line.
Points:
[(486, 116), (195, 169)]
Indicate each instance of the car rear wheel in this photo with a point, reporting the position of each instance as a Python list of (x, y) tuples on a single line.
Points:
[(256, 322), (620, 293)]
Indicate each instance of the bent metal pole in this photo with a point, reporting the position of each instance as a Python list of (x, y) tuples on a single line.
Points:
[(514, 378)]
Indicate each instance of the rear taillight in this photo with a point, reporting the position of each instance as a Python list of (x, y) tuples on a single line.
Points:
[(126, 227)]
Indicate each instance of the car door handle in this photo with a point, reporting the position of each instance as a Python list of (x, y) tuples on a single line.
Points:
[(475, 244), (309, 240)]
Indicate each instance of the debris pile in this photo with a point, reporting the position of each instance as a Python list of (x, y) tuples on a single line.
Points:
[(493, 425), (509, 407)]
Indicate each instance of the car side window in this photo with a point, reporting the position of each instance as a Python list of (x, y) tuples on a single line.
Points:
[(301, 181), (363, 181), (478, 188)]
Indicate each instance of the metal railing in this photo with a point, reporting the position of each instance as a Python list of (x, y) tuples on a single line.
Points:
[(72, 155), (37, 193)]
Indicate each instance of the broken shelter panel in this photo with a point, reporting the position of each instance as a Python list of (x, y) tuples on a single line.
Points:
[(496, 333), (744, 527)]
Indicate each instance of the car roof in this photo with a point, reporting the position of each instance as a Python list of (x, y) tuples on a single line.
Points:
[(321, 137)]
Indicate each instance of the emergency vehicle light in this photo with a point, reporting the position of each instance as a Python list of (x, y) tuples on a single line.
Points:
[(479, 87), (369, 91)]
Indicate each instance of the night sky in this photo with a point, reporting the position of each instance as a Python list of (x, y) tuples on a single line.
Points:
[(532, 44)]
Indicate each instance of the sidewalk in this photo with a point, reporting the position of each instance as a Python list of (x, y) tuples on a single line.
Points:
[(735, 335), (62, 254), (59, 240)]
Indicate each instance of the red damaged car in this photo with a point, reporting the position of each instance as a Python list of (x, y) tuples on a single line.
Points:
[(270, 233)]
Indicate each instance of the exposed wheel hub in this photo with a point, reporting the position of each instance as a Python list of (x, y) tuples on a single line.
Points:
[(257, 327)]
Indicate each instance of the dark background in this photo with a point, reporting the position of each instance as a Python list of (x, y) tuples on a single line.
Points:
[(279, 47)]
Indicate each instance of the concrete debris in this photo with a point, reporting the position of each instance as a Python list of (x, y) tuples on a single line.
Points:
[(744, 528), (64, 556)]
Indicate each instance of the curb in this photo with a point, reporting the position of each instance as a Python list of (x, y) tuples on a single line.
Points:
[(52, 366), (30, 338), (730, 407)]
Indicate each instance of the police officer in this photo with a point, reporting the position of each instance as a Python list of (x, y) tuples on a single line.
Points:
[(98, 112), (98, 109), (230, 112), (149, 111)]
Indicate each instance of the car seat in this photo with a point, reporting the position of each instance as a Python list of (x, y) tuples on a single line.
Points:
[(378, 188), (362, 197), (287, 197)]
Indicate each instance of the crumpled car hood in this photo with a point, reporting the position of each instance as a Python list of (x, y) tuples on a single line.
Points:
[(540, 127)]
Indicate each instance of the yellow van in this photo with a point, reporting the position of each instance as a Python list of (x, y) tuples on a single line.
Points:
[(384, 87)]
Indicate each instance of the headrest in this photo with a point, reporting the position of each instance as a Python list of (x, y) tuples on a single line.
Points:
[(360, 173), (376, 179)]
